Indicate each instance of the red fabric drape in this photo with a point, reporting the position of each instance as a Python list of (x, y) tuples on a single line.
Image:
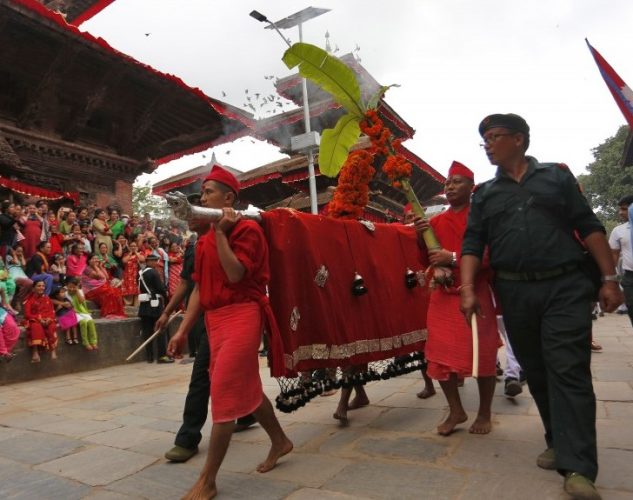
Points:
[(328, 326), (45, 194)]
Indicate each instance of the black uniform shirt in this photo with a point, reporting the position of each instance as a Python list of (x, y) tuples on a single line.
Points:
[(533, 232), (187, 269)]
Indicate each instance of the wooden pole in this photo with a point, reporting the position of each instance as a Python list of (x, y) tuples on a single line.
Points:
[(473, 325), (153, 336)]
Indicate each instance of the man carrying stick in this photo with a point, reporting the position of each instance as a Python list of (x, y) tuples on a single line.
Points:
[(449, 347), (231, 273), (528, 216)]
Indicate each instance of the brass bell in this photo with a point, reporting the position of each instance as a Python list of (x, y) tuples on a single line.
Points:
[(358, 285), (410, 279)]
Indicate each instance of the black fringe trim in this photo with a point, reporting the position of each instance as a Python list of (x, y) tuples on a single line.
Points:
[(296, 392)]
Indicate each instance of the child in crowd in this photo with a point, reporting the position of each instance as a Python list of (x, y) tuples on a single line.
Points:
[(58, 269), (87, 325), (66, 316)]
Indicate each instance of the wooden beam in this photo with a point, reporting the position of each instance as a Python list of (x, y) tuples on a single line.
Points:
[(92, 101), (48, 86), (147, 119)]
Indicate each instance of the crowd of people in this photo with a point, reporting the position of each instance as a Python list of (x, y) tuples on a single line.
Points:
[(52, 262)]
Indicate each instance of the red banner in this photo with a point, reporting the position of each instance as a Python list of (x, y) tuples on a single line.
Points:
[(313, 261)]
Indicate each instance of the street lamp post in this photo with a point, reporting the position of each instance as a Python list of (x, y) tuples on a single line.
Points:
[(297, 19)]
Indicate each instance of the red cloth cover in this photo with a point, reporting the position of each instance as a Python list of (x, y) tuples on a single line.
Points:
[(334, 327)]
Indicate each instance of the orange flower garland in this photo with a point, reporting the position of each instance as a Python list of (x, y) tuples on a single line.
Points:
[(352, 193), (396, 167)]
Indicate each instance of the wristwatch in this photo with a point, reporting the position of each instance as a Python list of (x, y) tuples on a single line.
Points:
[(454, 260), (610, 277)]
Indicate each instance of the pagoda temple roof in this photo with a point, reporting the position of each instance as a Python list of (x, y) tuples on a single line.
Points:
[(190, 180), (70, 86)]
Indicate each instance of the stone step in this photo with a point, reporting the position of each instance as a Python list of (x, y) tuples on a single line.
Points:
[(118, 338)]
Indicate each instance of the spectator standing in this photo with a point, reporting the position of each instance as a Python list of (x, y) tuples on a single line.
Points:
[(101, 230), (175, 256), (152, 301), (33, 224), (132, 261), (620, 243)]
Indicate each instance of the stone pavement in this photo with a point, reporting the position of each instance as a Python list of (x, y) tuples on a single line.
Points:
[(102, 435)]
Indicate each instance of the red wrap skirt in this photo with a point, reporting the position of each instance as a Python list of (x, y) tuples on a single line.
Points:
[(449, 346), (235, 333)]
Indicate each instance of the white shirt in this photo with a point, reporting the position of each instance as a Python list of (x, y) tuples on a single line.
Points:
[(620, 239)]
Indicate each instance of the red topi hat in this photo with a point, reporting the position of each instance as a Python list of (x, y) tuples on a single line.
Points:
[(223, 176), (461, 169), (407, 208)]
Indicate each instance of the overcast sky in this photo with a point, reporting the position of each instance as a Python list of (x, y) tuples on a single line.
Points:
[(456, 62)]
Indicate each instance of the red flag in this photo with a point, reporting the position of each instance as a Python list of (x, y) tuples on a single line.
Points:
[(621, 92)]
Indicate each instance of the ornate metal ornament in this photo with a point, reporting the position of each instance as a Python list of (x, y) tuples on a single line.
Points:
[(369, 225), (410, 279), (294, 319), (358, 285), (321, 276)]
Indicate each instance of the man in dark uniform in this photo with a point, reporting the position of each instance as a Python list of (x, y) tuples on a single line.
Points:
[(197, 401), (528, 216)]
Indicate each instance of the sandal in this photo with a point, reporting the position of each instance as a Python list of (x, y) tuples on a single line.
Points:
[(35, 360), (69, 341), (75, 341)]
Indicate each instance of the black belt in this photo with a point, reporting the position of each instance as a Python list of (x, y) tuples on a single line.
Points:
[(536, 275)]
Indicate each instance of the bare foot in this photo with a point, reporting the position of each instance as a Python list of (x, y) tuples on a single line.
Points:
[(35, 359), (358, 402), (341, 416), (202, 490), (275, 453), (53, 354), (427, 392), (448, 426), (481, 425)]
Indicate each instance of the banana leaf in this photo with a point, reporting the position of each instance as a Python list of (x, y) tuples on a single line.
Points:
[(329, 73), (336, 143)]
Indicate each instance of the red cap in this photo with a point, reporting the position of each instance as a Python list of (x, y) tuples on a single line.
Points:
[(223, 176), (407, 208), (461, 169)]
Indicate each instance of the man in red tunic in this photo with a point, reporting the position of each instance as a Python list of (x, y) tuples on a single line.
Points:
[(449, 350), (231, 274)]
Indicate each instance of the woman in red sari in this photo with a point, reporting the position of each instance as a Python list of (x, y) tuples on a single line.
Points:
[(175, 267), (132, 261), (96, 286), (42, 326)]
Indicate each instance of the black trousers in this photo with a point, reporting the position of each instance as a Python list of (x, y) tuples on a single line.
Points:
[(197, 401), (147, 328), (549, 327), (627, 287)]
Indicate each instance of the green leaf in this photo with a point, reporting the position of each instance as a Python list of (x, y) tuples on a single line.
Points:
[(375, 99), (336, 143), (328, 72)]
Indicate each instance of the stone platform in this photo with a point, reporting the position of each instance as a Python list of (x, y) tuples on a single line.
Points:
[(118, 338), (102, 435)]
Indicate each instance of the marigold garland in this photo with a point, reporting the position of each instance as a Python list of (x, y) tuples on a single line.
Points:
[(352, 193)]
